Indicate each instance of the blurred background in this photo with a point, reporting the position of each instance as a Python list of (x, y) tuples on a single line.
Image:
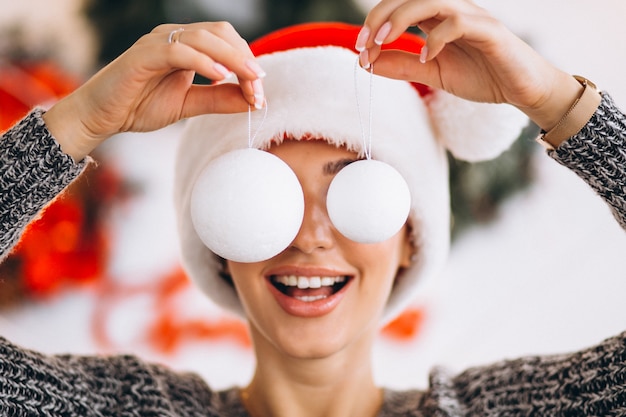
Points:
[(535, 267)]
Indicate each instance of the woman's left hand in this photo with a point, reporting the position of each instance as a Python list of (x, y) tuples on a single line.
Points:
[(468, 53)]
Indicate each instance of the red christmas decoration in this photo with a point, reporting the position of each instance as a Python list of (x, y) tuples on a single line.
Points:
[(24, 85), (68, 244)]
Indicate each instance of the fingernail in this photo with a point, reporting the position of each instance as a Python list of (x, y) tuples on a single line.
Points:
[(259, 95), (362, 38), (256, 68), (364, 58), (221, 69), (382, 34), (424, 54), (257, 87)]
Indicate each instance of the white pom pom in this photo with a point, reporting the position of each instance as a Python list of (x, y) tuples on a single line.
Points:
[(368, 201), (247, 205), (474, 131)]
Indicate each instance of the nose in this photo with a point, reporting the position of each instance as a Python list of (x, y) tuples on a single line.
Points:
[(317, 231)]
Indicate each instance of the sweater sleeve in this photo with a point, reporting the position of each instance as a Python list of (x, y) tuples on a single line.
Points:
[(591, 382), (33, 384), (33, 170), (597, 154)]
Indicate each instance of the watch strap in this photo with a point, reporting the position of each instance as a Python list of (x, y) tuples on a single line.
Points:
[(575, 118)]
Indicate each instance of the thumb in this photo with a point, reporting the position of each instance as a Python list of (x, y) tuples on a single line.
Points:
[(223, 98), (401, 65)]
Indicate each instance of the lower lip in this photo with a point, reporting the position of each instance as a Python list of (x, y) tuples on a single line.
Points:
[(308, 309)]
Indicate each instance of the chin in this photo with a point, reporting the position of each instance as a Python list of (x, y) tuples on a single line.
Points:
[(311, 349), (315, 339)]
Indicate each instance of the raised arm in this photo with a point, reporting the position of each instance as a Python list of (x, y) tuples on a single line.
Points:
[(146, 88), (586, 383), (471, 54)]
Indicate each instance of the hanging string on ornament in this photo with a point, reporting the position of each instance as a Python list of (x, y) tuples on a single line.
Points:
[(247, 205), (368, 201)]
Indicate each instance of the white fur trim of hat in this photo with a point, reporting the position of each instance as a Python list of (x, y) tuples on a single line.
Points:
[(311, 92)]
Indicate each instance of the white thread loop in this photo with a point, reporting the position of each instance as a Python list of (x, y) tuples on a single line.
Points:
[(367, 137), (368, 201), (252, 137)]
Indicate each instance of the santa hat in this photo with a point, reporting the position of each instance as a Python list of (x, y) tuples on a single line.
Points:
[(310, 88)]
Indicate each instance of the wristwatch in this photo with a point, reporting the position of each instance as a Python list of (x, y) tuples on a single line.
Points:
[(575, 118)]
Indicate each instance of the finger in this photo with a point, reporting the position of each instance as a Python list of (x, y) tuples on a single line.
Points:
[(227, 47), (375, 19), (396, 16), (206, 53), (252, 88), (204, 99), (148, 61), (237, 58), (253, 92), (227, 32), (401, 65), (223, 30), (389, 20), (478, 31), (428, 14)]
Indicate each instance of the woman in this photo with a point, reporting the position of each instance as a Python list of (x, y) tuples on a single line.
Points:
[(308, 364)]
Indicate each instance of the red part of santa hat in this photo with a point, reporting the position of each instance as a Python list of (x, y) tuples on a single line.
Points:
[(314, 34)]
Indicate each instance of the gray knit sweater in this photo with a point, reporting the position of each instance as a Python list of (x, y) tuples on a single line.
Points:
[(587, 383)]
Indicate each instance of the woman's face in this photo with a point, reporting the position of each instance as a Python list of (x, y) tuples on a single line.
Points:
[(324, 293)]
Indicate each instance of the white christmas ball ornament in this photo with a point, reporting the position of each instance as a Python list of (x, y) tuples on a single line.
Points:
[(247, 205), (368, 201)]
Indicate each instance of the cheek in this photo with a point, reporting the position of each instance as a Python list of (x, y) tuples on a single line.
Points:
[(378, 265), (382, 259), (242, 275)]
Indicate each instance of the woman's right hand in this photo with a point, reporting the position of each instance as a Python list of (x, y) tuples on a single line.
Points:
[(151, 86)]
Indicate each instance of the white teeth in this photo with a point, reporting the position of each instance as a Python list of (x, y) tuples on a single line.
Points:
[(310, 298), (307, 282), (327, 281)]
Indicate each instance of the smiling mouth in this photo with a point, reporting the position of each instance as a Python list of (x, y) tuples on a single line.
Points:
[(308, 289)]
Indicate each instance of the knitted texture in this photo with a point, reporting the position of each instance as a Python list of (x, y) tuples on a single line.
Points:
[(598, 155), (32, 384), (33, 170), (587, 383), (591, 382)]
